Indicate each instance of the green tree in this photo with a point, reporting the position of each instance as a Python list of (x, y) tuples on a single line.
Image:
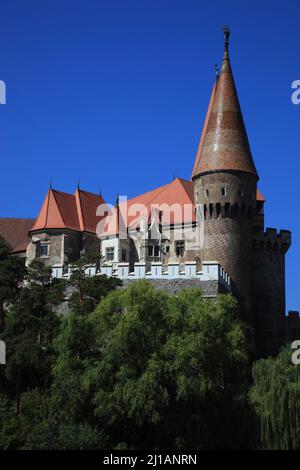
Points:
[(144, 370), (12, 270), (41, 281), (275, 395), (31, 325), (8, 424), (169, 371), (87, 291)]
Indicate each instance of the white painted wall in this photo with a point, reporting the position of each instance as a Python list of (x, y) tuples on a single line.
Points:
[(110, 243)]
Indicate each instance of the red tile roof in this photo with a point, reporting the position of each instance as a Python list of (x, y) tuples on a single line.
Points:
[(14, 232), (87, 204), (259, 196), (179, 192), (78, 212), (204, 131), (67, 211)]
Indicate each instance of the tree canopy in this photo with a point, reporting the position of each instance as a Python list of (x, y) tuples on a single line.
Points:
[(147, 370), (136, 368)]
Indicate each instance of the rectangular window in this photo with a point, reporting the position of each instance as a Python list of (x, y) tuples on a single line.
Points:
[(167, 249), (223, 191), (110, 253), (150, 250), (124, 255), (179, 248), (156, 251), (44, 249)]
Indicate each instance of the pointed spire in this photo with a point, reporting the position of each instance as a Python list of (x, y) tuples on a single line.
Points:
[(78, 184), (50, 183), (224, 143)]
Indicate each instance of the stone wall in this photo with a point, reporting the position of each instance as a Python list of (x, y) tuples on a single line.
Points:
[(272, 327), (173, 286), (90, 243)]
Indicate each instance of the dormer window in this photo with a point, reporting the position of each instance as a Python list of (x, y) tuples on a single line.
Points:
[(223, 191)]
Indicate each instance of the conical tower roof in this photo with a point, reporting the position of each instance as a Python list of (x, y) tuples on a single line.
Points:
[(224, 143)]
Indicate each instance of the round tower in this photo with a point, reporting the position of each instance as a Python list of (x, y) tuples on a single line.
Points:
[(225, 184)]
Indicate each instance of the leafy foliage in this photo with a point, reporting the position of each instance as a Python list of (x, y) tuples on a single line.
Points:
[(12, 270), (31, 324), (170, 372), (276, 397), (88, 290), (141, 370)]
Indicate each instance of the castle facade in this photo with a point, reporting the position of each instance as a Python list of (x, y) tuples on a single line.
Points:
[(207, 231)]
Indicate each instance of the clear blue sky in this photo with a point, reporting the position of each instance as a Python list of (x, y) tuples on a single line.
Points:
[(115, 92)]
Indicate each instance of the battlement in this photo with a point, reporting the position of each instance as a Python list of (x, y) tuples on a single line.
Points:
[(211, 271), (228, 210), (273, 240), (294, 315)]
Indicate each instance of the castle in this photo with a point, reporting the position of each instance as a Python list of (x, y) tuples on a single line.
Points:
[(207, 231)]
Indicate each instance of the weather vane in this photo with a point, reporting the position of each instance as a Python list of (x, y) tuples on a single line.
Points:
[(226, 32)]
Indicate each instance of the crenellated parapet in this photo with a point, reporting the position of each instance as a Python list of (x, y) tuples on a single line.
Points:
[(211, 271), (272, 240)]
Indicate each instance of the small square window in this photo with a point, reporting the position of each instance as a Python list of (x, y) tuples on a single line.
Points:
[(223, 191), (110, 253), (44, 249)]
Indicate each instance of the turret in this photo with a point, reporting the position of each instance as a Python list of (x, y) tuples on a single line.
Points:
[(225, 184)]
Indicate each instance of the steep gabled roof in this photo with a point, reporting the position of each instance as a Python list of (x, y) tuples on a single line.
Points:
[(67, 211), (178, 193), (87, 204), (58, 211)]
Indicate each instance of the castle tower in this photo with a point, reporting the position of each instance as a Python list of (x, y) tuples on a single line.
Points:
[(225, 184)]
